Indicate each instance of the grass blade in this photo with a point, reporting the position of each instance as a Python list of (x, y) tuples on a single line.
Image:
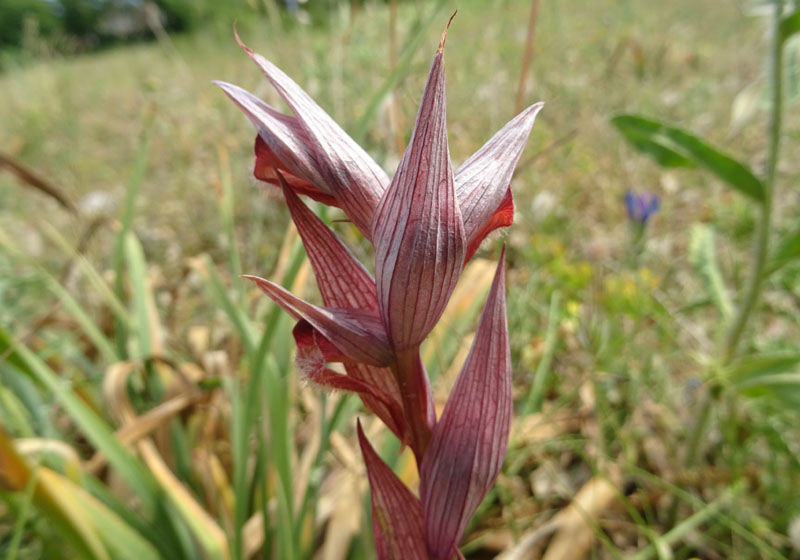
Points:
[(92, 275), (536, 394), (131, 194), (142, 299), (95, 429)]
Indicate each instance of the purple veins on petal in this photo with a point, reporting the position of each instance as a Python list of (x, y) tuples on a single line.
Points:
[(358, 334), (469, 442), (314, 352), (282, 134), (350, 173), (417, 228), (396, 514), (482, 182), (345, 283), (342, 280)]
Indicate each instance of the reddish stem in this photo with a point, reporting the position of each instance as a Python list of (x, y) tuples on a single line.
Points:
[(417, 399)]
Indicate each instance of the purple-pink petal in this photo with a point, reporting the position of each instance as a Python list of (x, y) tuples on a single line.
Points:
[(314, 352), (358, 334), (342, 280), (482, 182), (344, 283), (417, 228), (350, 173), (469, 443), (396, 515), (283, 134)]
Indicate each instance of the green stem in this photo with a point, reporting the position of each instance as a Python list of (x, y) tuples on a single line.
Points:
[(761, 248), (761, 243), (700, 427)]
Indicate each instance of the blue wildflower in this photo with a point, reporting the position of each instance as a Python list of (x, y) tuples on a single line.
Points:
[(641, 206)]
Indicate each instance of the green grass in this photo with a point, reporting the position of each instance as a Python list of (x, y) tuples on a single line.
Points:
[(608, 367)]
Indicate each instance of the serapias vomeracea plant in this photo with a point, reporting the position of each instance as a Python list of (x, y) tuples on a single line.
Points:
[(425, 224)]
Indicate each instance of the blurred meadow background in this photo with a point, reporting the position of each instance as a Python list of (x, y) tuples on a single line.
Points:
[(148, 400)]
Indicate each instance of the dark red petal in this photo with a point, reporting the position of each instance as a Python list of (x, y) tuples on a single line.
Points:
[(396, 515), (469, 443), (502, 217), (353, 177), (358, 334), (314, 351), (382, 379), (417, 230), (483, 180), (268, 166)]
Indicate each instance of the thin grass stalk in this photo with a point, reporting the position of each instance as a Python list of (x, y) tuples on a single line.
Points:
[(395, 109), (239, 448), (156, 530), (764, 226), (70, 304), (23, 514), (340, 412), (416, 38), (535, 396), (93, 276), (680, 531), (131, 194), (277, 427), (245, 417), (262, 472), (227, 215), (761, 244), (134, 258), (527, 58), (764, 547)]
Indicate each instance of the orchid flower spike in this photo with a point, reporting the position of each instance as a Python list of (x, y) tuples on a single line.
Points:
[(425, 223)]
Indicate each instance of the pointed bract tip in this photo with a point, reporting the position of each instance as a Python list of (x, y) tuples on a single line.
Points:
[(363, 442), (284, 183), (247, 49), (536, 107), (444, 35)]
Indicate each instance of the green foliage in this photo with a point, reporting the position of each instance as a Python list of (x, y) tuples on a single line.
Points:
[(789, 25), (673, 147), (81, 18), (787, 250), (17, 16), (776, 375), (186, 15)]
